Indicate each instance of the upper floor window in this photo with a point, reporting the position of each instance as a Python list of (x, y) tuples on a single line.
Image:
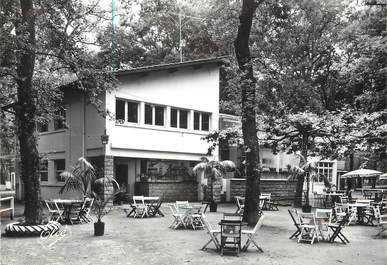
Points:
[(132, 112), (201, 121), (59, 167), (179, 118), (43, 169), (126, 111), (120, 110), (60, 120), (154, 115)]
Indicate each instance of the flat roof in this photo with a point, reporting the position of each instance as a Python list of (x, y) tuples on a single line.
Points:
[(173, 66)]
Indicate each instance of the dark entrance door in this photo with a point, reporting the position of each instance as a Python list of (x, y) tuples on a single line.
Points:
[(122, 175)]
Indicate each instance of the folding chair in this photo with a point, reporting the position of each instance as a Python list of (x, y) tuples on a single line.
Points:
[(213, 233), (74, 214), (309, 228), (232, 216), (324, 218), (336, 229), (382, 221), (240, 204), (55, 213), (178, 217), (230, 236), (85, 210), (155, 208), (141, 209), (251, 234), (296, 221)]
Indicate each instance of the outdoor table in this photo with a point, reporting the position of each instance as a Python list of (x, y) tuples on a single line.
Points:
[(360, 208), (333, 196), (67, 205), (191, 210)]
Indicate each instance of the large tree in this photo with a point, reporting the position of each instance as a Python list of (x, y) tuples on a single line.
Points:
[(249, 128), (44, 44)]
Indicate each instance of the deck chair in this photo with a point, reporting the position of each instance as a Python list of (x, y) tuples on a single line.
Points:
[(141, 209), (336, 229), (85, 210), (155, 208), (251, 234), (55, 213), (178, 217), (309, 228), (240, 204), (296, 221), (213, 233)]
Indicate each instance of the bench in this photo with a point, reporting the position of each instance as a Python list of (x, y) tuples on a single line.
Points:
[(11, 205)]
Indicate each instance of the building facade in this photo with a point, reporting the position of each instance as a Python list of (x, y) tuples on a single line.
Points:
[(154, 138)]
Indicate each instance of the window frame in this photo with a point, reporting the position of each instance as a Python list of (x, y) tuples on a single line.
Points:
[(60, 123), (45, 171), (127, 102), (201, 121), (57, 171)]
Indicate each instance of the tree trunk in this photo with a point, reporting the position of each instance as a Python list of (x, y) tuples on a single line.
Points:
[(249, 127), (25, 114), (301, 179)]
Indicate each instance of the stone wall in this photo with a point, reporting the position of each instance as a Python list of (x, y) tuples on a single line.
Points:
[(169, 191), (280, 189)]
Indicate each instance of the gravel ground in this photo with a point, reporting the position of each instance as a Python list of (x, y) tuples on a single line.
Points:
[(150, 241)]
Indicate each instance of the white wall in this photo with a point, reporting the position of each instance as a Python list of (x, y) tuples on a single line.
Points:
[(187, 88)]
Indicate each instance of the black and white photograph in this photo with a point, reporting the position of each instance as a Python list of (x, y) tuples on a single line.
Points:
[(152, 132)]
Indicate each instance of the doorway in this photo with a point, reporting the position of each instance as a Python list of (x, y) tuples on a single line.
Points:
[(122, 175)]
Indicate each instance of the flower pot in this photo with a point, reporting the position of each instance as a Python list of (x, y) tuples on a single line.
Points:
[(213, 207), (99, 228), (306, 208)]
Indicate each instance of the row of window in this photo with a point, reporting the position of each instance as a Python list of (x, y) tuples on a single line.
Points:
[(59, 167), (128, 111)]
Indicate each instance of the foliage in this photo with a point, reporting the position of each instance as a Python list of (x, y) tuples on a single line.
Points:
[(44, 45), (80, 178), (213, 170), (102, 206)]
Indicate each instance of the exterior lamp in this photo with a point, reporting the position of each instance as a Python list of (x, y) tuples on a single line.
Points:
[(104, 138)]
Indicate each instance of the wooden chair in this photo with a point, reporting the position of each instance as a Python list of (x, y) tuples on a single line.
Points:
[(85, 210), (213, 233), (343, 199), (230, 236), (324, 218), (178, 217), (296, 221), (240, 204), (141, 209), (337, 228), (55, 213), (309, 228), (74, 214), (251, 234), (382, 221), (232, 216)]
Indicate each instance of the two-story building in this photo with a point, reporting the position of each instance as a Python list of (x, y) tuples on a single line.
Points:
[(160, 113)]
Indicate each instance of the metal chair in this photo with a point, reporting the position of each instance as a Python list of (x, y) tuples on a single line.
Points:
[(141, 209), (55, 213), (230, 236), (296, 221), (213, 233), (309, 228)]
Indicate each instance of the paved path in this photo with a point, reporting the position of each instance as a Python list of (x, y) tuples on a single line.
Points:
[(150, 241)]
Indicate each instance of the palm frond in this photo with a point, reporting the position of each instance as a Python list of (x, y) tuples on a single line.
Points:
[(228, 165), (200, 167), (71, 183)]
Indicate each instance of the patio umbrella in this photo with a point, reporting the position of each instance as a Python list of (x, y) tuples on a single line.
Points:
[(362, 173), (383, 176)]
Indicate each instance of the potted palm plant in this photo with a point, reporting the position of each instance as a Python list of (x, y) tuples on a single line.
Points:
[(307, 171), (213, 170), (103, 193), (80, 178)]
